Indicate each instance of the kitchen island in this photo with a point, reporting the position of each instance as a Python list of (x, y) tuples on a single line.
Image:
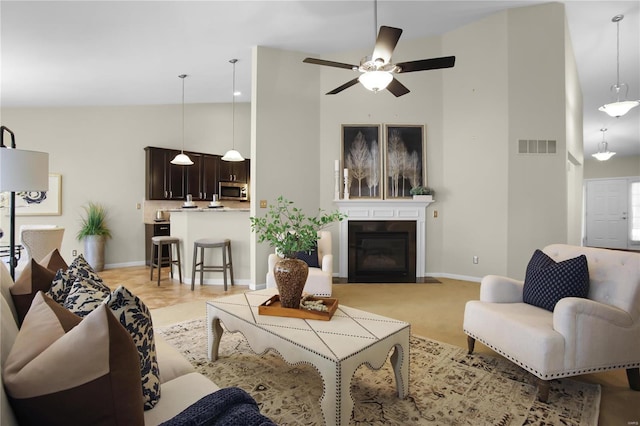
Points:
[(190, 224)]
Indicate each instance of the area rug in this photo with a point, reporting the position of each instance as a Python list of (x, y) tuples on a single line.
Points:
[(446, 386)]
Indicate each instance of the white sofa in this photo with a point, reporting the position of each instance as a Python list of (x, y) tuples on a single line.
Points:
[(581, 335), (180, 385), (320, 280)]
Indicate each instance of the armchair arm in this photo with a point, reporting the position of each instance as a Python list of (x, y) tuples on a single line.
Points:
[(497, 289), (271, 262), (327, 263), (572, 310)]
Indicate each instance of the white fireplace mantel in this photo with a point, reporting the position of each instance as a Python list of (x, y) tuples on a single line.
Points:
[(368, 209)]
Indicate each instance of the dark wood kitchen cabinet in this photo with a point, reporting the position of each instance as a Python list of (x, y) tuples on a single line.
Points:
[(234, 171), (166, 181)]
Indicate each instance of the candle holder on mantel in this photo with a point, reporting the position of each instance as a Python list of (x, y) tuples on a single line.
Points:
[(346, 184), (336, 189)]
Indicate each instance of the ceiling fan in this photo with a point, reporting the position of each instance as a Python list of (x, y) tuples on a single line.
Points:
[(377, 70)]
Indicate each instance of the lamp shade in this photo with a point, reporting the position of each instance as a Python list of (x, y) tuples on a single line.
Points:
[(618, 109), (182, 159), (22, 170), (232, 155), (375, 80)]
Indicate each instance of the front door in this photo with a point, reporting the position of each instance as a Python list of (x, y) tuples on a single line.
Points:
[(607, 204)]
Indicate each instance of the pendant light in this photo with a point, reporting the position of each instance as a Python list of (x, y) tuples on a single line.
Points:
[(618, 108), (232, 154), (603, 153), (182, 159)]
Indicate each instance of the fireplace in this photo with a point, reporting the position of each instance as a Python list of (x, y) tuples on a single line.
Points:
[(392, 211), (382, 251)]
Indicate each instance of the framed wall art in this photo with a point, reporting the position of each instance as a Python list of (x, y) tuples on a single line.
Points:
[(362, 159), (405, 159), (44, 203)]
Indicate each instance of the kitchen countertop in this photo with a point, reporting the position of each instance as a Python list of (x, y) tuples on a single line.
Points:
[(207, 209)]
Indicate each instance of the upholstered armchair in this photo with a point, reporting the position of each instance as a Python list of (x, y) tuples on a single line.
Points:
[(320, 280), (579, 335), (38, 241)]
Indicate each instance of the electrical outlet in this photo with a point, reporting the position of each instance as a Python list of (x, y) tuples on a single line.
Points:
[(475, 260), (138, 206), (74, 253), (435, 213), (263, 204)]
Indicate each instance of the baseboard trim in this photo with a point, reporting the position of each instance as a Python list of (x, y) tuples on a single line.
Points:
[(455, 276)]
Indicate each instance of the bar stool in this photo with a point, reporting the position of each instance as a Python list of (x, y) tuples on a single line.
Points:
[(156, 247), (204, 243)]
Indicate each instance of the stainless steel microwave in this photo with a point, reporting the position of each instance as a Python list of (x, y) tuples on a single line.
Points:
[(233, 191)]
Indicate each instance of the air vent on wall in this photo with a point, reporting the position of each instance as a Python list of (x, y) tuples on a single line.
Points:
[(533, 146)]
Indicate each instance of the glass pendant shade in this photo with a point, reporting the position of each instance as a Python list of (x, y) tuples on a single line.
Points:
[(618, 108), (232, 155), (375, 80), (182, 159), (603, 153)]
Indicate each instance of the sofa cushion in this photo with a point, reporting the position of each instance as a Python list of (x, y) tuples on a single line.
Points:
[(136, 319), (54, 261), (85, 295), (64, 279), (6, 283), (310, 257), (34, 278), (66, 370), (173, 363), (546, 282)]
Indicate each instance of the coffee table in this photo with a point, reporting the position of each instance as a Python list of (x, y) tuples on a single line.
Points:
[(336, 348)]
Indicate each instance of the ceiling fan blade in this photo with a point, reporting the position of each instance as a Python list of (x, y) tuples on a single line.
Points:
[(344, 86), (397, 88), (387, 39), (329, 63), (427, 64)]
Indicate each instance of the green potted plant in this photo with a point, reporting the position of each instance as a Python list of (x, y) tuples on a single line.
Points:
[(289, 230), (94, 232), (423, 193)]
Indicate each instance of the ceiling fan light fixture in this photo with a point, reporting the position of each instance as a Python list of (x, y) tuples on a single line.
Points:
[(603, 153), (375, 80), (618, 108), (182, 159)]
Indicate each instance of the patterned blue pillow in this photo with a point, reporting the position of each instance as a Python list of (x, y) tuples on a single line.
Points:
[(64, 279), (85, 296), (136, 319), (310, 257), (546, 282)]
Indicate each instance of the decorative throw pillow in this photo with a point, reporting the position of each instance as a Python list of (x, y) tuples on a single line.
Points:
[(84, 296), (54, 261), (66, 371), (63, 281), (310, 257), (136, 319), (546, 282), (34, 278)]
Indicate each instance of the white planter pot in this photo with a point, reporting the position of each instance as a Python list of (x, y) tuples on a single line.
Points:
[(423, 197)]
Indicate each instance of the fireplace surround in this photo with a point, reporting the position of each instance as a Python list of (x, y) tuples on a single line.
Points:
[(358, 210)]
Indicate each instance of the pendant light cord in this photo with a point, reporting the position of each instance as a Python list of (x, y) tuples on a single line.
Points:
[(183, 76), (375, 21), (233, 106)]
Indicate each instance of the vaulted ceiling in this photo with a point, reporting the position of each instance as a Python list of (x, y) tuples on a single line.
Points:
[(75, 53)]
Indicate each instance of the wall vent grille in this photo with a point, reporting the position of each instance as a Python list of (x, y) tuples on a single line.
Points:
[(533, 146)]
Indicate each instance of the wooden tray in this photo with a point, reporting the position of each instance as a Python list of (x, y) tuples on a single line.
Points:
[(272, 307)]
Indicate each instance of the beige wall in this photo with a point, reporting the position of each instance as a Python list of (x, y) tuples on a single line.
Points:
[(513, 78), (99, 151), (616, 166)]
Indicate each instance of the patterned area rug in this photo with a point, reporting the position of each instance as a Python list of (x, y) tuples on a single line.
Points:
[(447, 386)]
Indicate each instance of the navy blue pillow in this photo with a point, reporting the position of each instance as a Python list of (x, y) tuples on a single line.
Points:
[(546, 282), (311, 257)]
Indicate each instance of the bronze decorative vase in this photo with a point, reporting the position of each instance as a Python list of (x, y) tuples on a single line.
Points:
[(291, 276)]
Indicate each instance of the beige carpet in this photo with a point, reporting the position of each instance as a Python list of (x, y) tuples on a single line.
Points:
[(447, 386)]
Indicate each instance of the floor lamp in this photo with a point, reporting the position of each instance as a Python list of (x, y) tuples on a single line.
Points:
[(20, 170)]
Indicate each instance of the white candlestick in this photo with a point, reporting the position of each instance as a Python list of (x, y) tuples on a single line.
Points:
[(336, 165), (346, 173), (346, 184), (336, 189)]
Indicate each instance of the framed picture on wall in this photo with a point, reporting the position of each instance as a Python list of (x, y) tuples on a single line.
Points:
[(362, 158), (405, 159), (41, 203)]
